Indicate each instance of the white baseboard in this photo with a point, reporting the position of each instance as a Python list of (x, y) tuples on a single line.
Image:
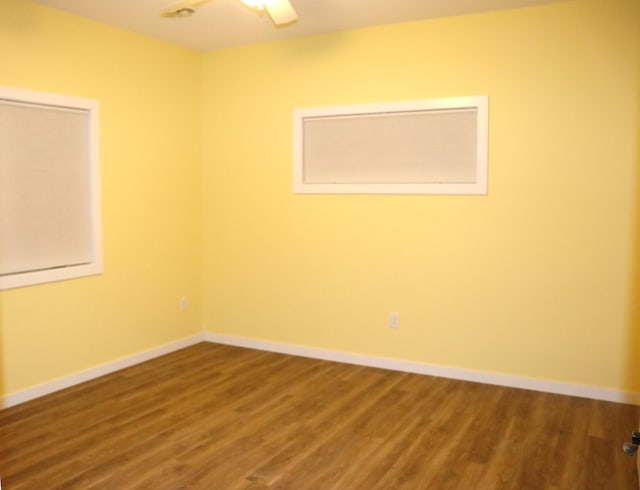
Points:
[(95, 372), (534, 384), (595, 393)]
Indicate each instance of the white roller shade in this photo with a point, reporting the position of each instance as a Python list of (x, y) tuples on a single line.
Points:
[(436, 146), (391, 148), (48, 210)]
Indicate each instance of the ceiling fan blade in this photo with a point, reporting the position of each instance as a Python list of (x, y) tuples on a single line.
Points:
[(183, 9), (281, 12)]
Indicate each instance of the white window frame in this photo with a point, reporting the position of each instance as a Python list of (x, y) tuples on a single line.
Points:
[(95, 264), (479, 103)]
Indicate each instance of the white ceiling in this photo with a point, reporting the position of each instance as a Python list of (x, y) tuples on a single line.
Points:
[(224, 23)]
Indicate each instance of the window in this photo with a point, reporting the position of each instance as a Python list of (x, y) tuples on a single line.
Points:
[(49, 188), (434, 146)]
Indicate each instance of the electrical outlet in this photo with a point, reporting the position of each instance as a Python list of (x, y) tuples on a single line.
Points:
[(394, 320), (183, 303)]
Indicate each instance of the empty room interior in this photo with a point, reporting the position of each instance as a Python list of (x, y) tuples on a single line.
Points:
[(530, 287)]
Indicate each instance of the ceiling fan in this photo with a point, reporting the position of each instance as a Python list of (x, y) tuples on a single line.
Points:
[(280, 11)]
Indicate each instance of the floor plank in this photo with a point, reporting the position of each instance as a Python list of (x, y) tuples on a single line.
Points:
[(221, 417)]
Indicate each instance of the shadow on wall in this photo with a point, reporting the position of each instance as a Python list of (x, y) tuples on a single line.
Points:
[(632, 367)]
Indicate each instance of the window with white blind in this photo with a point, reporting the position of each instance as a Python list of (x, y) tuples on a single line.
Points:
[(434, 146), (49, 188)]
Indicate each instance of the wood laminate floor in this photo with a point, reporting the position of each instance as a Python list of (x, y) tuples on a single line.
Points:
[(220, 417)]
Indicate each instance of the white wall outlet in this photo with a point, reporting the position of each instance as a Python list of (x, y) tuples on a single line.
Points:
[(394, 320), (183, 303)]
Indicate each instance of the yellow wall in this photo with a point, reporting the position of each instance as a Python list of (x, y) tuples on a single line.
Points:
[(534, 279), (151, 175), (539, 278)]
